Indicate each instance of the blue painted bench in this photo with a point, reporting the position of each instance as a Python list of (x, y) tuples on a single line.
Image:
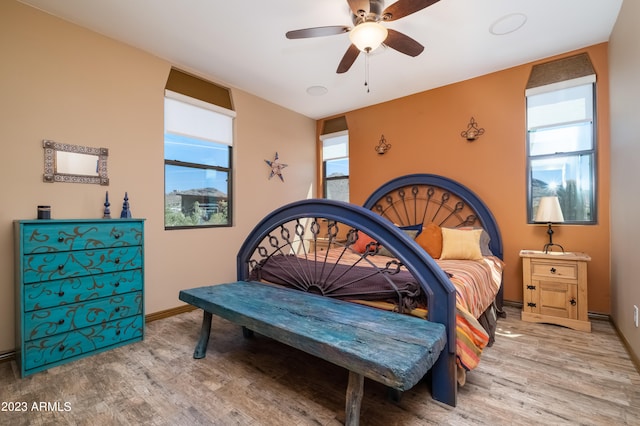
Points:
[(393, 349)]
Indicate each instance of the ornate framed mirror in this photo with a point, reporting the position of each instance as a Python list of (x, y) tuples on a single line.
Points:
[(74, 163)]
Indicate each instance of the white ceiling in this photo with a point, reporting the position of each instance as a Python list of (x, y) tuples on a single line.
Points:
[(242, 43)]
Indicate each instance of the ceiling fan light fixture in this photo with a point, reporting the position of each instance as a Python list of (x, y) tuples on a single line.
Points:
[(368, 36)]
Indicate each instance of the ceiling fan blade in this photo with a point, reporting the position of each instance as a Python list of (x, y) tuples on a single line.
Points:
[(357, 5), (348, 59), (403, 43), (317, 32), (402, 8)]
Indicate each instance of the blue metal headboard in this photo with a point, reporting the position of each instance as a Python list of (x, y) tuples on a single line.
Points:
[(403, 192)]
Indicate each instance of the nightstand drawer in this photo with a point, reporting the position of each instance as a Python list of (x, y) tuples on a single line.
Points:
[(324, 244), (321, 244), (554, 270)]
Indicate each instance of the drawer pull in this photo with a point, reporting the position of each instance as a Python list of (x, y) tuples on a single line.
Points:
[(552, 270), (60, 267), (117, 260), (573, 302), (60, 239), (531, 305), (61, 293), (117, 332), (60, 322), (61, 348), (531, 287), (118, 309), (117, 236), (117, 284)]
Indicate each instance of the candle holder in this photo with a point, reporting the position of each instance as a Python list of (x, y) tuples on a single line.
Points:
[(382, 146), (473, 132)]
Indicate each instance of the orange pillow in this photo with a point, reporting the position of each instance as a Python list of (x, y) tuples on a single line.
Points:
[(361, 243), (430, 239)]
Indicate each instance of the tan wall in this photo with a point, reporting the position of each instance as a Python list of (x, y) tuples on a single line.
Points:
[(424, 130), (61, 82), (624, 62)]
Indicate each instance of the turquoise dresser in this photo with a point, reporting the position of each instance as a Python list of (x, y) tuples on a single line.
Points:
[(79, 289)]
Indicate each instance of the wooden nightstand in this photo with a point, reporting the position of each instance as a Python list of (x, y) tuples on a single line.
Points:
[(323, 244), (320, 244), (555, 288)]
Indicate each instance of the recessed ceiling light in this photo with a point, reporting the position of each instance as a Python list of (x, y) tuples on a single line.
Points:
[(317, 90), (508, 24)]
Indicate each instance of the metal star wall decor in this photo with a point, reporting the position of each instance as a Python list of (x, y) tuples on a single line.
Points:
[(276, 167)]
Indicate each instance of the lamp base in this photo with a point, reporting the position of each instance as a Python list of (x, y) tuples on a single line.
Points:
[(549, 245)]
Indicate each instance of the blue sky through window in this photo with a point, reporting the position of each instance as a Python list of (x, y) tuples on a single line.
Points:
[(192, 150)]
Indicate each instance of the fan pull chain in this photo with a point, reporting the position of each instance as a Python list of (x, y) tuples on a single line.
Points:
[(366, 69)]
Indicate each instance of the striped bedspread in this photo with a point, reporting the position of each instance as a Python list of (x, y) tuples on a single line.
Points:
[(477, 283)]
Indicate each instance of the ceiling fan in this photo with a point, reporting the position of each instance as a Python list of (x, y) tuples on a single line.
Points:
[(367, 34)]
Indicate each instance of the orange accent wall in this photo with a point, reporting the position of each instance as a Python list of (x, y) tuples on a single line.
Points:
[(424, 130)]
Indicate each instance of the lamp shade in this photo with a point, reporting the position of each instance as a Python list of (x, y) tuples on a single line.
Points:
[(368, 36), (549, 210)]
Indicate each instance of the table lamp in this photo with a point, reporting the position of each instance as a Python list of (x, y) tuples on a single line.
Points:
[(549, 212)]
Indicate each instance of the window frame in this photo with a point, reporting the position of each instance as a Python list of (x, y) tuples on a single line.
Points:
[(326, 179), (228, 170), (592, 152)]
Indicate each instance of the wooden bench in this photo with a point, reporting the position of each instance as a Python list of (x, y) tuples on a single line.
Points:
[(393, 349)]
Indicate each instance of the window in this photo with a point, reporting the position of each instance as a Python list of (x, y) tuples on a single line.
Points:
[(335, 165), (561, 148), (198, 141)]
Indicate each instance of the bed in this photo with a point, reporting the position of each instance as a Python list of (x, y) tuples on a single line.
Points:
[(378, 254)]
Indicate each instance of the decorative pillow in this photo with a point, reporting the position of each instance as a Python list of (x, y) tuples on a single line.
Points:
[(430, 239), (361, 243), (417, 227), (411, 233), (485, 239), (461, 244)]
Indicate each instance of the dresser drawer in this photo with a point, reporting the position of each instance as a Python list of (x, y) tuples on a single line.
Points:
[(55, 266), (48, 294), (48, 322), (49, 350), (550, 269), (56, 237)]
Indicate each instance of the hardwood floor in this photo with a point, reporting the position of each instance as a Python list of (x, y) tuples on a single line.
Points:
[(535, 374)]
